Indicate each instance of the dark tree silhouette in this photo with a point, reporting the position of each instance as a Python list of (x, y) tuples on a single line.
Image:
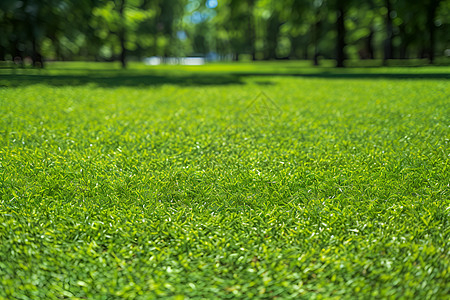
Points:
[(122, 34), (340, 28), (431, 15), (388, 51)]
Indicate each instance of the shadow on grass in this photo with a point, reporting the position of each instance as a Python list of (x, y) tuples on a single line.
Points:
[(119, 80), (356, 75), (113, 79)]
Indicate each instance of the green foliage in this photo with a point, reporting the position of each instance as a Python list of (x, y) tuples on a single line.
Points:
[(225, 181), (105, 30)]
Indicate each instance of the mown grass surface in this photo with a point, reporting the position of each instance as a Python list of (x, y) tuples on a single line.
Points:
[(230, 181)]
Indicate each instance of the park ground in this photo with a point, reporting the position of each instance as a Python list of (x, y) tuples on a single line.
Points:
[(251, 180)]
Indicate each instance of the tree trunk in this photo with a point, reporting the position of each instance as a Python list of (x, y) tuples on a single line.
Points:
[(370, 37), (388, 53), (122, 35), (35, 46), (316, 34), (340, 26), (272, 36), (251, 29), (305, 51), (369, 43), (403, 50), (431, 14), (2, 52), (17, 53), (31, 27), (36, 54), (296, 47)]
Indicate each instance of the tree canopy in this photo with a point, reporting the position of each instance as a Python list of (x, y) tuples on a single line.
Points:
[(105, 30)]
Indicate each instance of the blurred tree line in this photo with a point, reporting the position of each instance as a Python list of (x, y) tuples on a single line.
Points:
[(106, 30)]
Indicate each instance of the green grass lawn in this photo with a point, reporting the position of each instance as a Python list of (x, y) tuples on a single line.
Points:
[(270, 180)]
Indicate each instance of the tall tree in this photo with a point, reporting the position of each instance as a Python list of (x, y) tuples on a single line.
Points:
[(251, 28), (122, 33), (317, 29), (341, 8), (432, 6), (388, 51), (273, 29)]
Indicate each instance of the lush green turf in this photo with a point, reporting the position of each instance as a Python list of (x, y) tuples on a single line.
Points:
[(231, 181)]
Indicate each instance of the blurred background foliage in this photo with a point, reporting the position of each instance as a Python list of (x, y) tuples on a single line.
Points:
[(34, 31)]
